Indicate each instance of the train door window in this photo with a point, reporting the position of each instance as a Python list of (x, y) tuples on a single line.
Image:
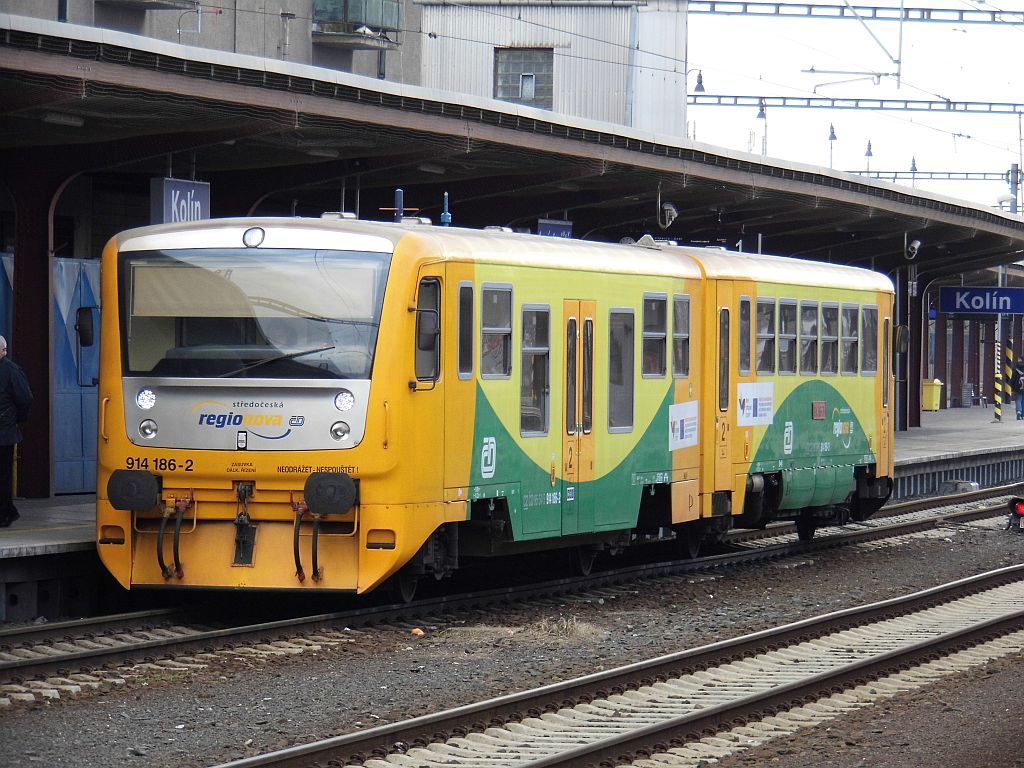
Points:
[(829, 338), (655, 334), (428, 326), (496, 335), (588, 376), (787, 336), (809, 337), (681, 336), (848, 340), (465, 330), (744, 346), (723, 359), (766, 335), (868, 340), (885, 362), (534, 376), (620, 371), (570, 376)]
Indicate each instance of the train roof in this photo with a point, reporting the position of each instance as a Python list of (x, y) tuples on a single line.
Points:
[(515, 249)]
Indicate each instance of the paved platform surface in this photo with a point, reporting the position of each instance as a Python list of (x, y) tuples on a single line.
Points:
[(66, 523)]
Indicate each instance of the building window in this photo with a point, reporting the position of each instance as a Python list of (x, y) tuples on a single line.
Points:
[(766, 335), (496, 336), (829, 338), (655, 334), (809, 337), (465, 330), (525, 76), (681, 336), (533, 399), (620, 371), (869, 340)]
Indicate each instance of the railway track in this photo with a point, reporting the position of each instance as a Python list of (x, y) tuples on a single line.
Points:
[(666, 705), (39, 652)]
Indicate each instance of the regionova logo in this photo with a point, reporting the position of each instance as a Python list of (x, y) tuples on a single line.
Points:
[(250, 415)]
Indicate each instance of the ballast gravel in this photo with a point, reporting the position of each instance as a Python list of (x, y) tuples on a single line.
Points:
[(248, 703)]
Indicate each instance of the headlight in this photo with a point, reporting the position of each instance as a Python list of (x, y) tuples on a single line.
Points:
[(146, 399), (339, 430), (344, 400), (148, 429)]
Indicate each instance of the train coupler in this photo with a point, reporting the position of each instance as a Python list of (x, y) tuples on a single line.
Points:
[(245, 528)]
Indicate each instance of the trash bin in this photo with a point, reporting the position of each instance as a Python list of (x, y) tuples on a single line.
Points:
[(931, 392)]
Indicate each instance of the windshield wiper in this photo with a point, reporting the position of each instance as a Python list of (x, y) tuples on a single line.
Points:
[(264, 361)]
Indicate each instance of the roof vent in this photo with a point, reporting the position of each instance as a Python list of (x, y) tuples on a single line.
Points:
[(495, 228), (416, 220), (337, 215)]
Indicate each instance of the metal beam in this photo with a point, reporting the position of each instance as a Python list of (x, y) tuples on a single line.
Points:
[(825, 102), (829, 12)]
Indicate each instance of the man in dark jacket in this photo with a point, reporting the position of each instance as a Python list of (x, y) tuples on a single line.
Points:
[(15, 399)]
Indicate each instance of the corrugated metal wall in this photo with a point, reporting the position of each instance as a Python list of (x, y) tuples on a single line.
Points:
[(591, 44)]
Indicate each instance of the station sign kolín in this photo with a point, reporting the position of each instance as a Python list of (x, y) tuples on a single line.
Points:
[(977, 300), (175, 200)]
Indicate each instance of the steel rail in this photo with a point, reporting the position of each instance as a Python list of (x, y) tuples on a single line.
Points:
[(203, 638), (355, 748)]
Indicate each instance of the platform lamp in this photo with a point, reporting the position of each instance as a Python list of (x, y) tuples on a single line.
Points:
[(869, 154), (698, 88), (831, 142), (763, 115)]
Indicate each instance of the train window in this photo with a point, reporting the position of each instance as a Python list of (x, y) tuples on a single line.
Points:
[(588, 375), (496, 336), (787, 336), (655, 334), (809, 337), (465, 330), (681, 336), (885, 362), (723, 359), (620, 371), (766, 335), (869, 340), (534, 378), (744, 361), (848, 340), (428, 327), (829, 338)]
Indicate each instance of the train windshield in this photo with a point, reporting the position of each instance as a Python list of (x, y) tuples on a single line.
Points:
[(247, 313)]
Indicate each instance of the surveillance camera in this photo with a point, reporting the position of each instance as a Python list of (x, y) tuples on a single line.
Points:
[(912, 248)]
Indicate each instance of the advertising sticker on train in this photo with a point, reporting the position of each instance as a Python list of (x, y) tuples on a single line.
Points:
[(755, 404), (682, 425)]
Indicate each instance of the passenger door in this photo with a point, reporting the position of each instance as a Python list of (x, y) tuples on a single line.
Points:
[(578, 421), (723, 399)]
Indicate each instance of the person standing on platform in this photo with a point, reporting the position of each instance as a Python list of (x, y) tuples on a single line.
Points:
[(15, 399), (1018, 388)]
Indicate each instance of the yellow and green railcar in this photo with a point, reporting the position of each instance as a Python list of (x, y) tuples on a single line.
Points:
[(326, 404)]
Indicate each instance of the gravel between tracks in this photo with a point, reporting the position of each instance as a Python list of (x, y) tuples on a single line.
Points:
[(249, 705)]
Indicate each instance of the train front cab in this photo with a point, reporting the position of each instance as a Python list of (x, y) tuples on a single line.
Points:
[(256, 516)]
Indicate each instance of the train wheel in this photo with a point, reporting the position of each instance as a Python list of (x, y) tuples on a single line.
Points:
[(805, 529), (689, 538), (583, 560), (403, 586)]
